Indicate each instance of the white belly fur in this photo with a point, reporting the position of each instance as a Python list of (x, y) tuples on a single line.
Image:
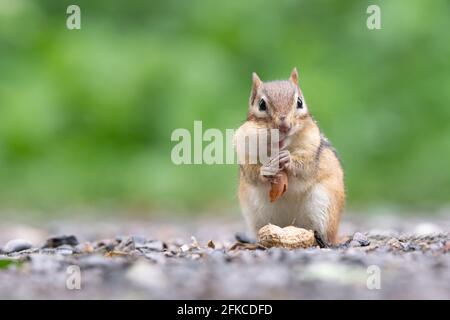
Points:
[(302, 205)]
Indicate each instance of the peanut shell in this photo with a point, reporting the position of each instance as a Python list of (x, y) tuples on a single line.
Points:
[(289, 237)]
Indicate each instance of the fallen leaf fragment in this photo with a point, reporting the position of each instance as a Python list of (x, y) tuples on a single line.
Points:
[(115, 253), (211, 244)]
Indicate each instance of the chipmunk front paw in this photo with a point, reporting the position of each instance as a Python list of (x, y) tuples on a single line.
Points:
[(284, 159), (272, 168)]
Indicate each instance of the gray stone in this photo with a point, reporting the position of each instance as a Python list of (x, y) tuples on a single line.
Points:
[(57, 241), (154, 245), (139, 241), (16, 245), (126, 245), (65, 250), (354, 243), (361, 239), (106, 244)]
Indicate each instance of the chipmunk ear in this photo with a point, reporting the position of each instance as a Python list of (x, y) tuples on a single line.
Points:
[(256, 83), (294, 76)]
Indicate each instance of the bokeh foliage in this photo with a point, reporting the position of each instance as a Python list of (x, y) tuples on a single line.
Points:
[(86, 116)]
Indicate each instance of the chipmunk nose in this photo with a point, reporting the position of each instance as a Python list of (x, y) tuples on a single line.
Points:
[(284, 126)]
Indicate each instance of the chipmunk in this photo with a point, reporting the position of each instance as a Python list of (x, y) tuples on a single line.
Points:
[(316, 195)]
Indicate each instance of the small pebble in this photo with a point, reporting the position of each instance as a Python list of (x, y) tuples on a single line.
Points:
[(410, 246), (194, 242), (48, 251), (16, 245), (184, 248), (106, 244), (139, 241), (155, 245), (211, 244), (126, 245), (65, 250), (395, 243), (244, 238), (359, 238), (87, 248), (354, 243), (57, 241)]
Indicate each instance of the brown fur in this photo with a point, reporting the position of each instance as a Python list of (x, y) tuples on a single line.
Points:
[(314, 170)]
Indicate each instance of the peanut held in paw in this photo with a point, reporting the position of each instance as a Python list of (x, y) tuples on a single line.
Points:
[(277, 189), (289, 237)]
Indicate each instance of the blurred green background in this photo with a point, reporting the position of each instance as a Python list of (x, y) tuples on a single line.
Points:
[(86, 115)]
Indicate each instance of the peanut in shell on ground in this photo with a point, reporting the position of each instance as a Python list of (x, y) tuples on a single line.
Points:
[(289, 237)]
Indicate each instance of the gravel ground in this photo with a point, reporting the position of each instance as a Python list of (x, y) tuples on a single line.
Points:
[(381, 257)]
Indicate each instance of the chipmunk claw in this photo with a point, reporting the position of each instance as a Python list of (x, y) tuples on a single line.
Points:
[(275, 165), (284, 159)]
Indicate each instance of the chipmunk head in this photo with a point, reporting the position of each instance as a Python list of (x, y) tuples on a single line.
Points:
[(279, 103)]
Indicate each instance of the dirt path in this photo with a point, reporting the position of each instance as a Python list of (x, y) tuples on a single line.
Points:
[(405, 258)]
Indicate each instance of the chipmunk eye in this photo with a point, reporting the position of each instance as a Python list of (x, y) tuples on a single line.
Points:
[(262, 105), (299, 103)]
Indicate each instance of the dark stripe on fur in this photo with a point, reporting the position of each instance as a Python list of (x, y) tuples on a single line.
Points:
[(326, 144)]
